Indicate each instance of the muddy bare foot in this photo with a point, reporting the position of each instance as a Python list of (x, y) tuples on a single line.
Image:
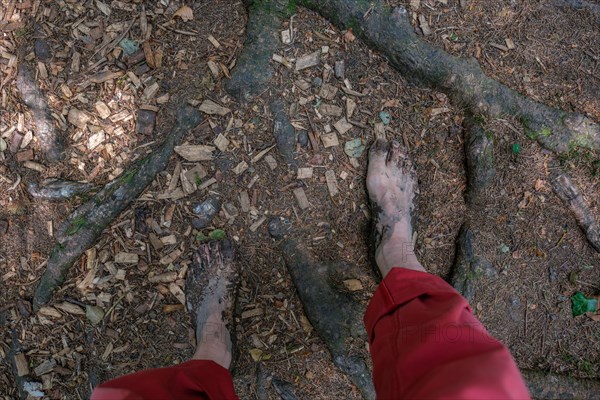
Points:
[(211, 285), (392, 184)]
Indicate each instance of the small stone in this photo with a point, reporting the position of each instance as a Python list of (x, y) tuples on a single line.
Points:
[(303, 138), (317, 82), (279, 227), (206, 211), (41, 49), (340, 69), (146, 119)]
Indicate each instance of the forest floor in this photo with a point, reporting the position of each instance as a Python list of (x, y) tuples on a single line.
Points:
[(523, 229)]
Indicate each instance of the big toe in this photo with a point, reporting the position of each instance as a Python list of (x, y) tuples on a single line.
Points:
[(378, 151)]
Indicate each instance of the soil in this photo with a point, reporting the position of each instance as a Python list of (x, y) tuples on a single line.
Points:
[(522, 228)]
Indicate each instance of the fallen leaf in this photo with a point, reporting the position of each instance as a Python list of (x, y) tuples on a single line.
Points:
[(185, 13), (259, 355)]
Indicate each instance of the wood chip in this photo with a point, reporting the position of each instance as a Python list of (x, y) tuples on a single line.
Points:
[(331, 183), (305, 173), (104, 76), (210, 107), (328, 92), (330, 110), (207, 183), (350, 107), (282, 60), (198, 152), (301, 198), (302, 84), (21, 364), (271, 162), (424, 25), (50, 312), (95, 140), (214, 41), (166, 277), (34, 166), (196, 173), (169, 258), (257, 224), (70, 308), (221, 142), (244, 201), (155, 241), (102, 109), (151, 91), (45, 367), (353, 285), (257, 312), (286, 38), (499, 46), (214, 68), (177, 292), (342, 126), (509, 43), (78, 118), (261, 154), (240, 168), (414, 4), (188, 185), (330, 140), (309, 60), (126, 258)]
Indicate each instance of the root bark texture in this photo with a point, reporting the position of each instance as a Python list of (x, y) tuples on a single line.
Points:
[(81, 229)]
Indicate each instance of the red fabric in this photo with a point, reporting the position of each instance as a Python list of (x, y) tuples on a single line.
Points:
[(426, 343), (196, 379)]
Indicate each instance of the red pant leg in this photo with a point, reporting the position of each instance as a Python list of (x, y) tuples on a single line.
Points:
[(426, 343), (195, 379)]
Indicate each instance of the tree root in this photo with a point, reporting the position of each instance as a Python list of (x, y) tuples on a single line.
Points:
[(336, 317), (81, 229), (51, 140), (389, 31), (469, 268), (479, 152), (568, 192), (253, 72)]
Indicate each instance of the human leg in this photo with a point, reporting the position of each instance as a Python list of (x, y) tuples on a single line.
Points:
[(210, 287), (424, 340)]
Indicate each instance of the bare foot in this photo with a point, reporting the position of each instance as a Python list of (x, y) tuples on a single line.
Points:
[(392, 184), (210, 295)]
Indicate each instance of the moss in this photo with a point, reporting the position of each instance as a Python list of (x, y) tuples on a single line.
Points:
[(76, 225), (479, 118)]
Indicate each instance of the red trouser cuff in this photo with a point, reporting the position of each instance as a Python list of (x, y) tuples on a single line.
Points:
[(398, 288)]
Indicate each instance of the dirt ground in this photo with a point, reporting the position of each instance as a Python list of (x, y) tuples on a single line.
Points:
[(523, 228)]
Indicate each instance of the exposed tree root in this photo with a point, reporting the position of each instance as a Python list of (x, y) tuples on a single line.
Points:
[(336, 317), (51, 139), (479, 152), (284, 132), (469, 268), (81, 229), (568, 192), (253, 72), (389, 31), (579, 5)]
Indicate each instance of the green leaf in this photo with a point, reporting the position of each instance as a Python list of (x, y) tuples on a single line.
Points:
[(201, 237), (354, 148), (217, 234), (581, 304), (516, 148), (386, 118)]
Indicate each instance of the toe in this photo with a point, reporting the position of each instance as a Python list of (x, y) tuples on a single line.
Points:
[(396, 154), (379, 150)]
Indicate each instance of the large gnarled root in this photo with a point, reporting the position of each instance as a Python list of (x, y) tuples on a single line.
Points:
[(389, 31), (81, 229)]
